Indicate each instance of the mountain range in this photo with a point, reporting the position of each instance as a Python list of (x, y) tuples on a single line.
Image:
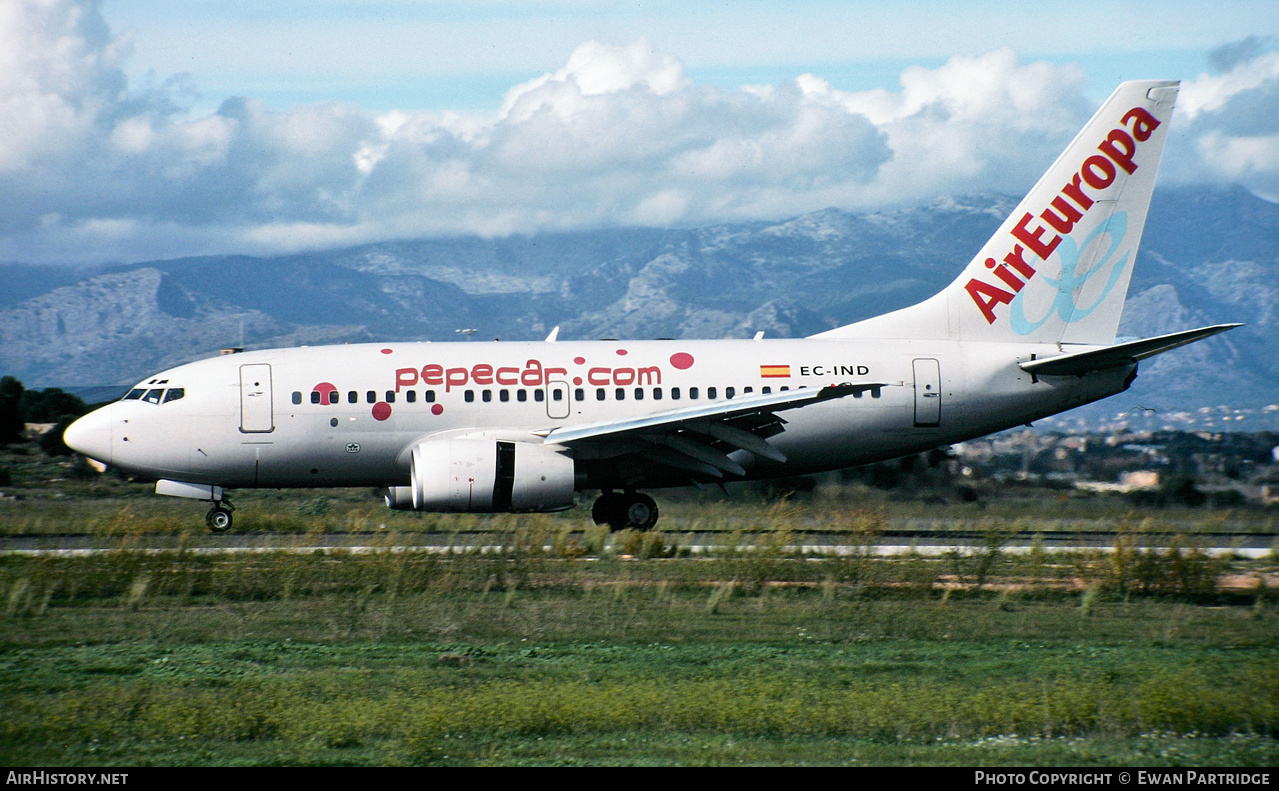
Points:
[(1206, 257)]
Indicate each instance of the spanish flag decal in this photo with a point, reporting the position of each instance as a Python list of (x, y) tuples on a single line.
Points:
[(774, 371)]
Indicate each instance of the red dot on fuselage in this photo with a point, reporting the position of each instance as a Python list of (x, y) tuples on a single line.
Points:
[(437, 409), (682, 360), (381, 410), (579, 360), (386, 351), (621, 352), (577, 380)]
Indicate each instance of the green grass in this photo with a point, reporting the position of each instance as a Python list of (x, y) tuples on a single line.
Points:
[(622, 649), (397, 658)]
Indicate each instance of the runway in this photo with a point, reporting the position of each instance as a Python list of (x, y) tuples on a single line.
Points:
[(924, 542)]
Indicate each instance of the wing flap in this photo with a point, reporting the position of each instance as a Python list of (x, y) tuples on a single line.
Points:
[(718, 411), (699, 452), (698, 439), (738, 438)]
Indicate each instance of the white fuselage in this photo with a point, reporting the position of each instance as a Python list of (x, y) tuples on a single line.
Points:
[(348, 415)]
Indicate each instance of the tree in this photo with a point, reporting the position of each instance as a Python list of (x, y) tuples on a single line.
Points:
[(50, 406), (11, 421)]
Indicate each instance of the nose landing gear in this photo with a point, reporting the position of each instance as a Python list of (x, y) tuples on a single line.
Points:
[(219, 516), (620, 510)]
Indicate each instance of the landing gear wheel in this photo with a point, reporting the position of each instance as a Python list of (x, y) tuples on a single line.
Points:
[(641, 512), (218, 519), (610, 509), (621, 511)]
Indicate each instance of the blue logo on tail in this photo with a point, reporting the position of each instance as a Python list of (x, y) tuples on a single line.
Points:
[(1072, 280)]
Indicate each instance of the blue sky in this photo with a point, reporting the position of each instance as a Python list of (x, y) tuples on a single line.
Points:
[(422, 55), (138, 129)]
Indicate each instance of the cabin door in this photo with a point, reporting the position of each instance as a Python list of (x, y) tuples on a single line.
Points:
[(256, 414)]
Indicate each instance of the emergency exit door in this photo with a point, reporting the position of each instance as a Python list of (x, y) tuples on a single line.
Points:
[(927, 393), (557, 403)]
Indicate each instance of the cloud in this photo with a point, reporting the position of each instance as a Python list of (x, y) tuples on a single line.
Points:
[(1228, 56), (92, 169), (1226, 129)]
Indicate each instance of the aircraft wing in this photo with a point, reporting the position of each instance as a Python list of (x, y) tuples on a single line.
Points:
[(698, 439), (1080, 363)]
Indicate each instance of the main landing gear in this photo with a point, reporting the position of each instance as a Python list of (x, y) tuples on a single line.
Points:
[(620, 510), (219, 516)]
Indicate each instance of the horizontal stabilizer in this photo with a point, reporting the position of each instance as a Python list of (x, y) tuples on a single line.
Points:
[(1080, 363)]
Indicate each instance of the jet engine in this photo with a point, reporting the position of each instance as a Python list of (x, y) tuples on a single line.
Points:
[(486, 476)]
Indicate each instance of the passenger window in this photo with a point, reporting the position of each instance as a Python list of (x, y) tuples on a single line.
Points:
[(729, 392), (710, 393), (539, 396), (315, 396), (411, 396), (657, 394), (639, 394), (486, 396), (174, 394), (297, 396), (521, 395), (352, 397), (692, 393), (503, 395), (371, 396), (748, 390), (430, 396), (620, 394), (767, 390), (468, 396), (600, 395), (674, 393), (785, 388), (579, 394), (390, 396), (557, 394)]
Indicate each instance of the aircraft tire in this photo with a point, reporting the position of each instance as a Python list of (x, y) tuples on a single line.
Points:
[(641, 512), (218, 519), (610, 509)]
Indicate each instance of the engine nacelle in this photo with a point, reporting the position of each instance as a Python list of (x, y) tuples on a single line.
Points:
[(486, 476)]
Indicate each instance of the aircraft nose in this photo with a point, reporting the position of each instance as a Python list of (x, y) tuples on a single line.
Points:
[(91, 435)]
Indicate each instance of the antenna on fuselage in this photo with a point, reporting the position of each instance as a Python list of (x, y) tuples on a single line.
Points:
[(467, 332), (554, 336)]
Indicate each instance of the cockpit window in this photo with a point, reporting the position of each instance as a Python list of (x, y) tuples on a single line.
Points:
[(174, 393), (134, 395), (153, 396)]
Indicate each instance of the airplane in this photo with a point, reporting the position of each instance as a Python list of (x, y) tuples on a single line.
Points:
[(1027, 330)]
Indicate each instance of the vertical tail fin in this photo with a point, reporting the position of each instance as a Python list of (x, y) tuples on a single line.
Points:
[(1057, 270)]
